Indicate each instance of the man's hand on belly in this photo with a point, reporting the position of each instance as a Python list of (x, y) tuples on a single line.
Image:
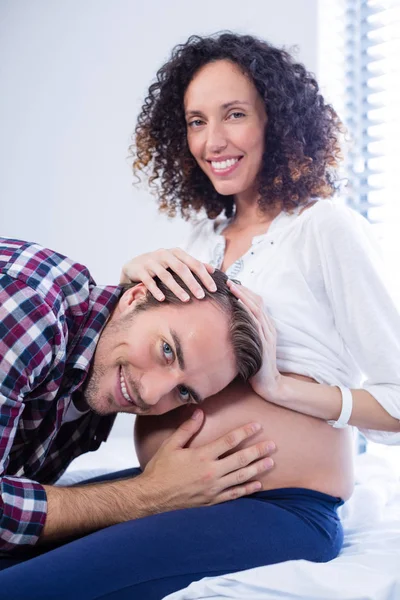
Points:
[(208, 474)]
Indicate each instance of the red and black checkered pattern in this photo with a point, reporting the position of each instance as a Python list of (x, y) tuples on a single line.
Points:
[(51, 315)]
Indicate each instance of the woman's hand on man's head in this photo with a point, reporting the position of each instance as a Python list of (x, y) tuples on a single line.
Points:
[(266, 383), (145, 267)]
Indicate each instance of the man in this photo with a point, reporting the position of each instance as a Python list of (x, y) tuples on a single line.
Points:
[(72, 355)]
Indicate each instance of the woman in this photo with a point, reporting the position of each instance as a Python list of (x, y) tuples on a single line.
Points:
[(233, 126)]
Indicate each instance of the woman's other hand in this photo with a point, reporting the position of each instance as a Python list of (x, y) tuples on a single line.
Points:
[(267, 382), (146, 267)]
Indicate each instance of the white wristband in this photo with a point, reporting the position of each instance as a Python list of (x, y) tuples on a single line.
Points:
[(347, 407)]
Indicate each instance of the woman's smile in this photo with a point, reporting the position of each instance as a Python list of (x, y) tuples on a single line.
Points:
[(224, 166)]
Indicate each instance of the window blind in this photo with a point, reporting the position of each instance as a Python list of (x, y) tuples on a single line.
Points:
[(359, 69), (372, 107)]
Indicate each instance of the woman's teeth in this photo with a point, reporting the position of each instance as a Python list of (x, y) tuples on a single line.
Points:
[(123, 388), (223, 164)]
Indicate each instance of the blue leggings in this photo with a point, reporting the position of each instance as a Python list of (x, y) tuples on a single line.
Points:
[(148, 558)]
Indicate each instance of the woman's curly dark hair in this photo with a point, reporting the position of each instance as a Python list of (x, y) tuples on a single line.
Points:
[(302, 147)]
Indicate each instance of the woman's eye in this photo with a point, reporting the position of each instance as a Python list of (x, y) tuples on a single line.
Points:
[(195, 123), (184, 393), (167, 351), (236, 115)]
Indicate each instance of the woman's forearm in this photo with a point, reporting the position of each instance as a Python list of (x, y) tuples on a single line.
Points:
[(325, 402)]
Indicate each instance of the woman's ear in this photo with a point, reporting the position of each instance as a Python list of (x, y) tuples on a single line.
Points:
[(135, 294)]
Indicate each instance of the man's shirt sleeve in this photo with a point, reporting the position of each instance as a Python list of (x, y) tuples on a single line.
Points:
[(30, 341)]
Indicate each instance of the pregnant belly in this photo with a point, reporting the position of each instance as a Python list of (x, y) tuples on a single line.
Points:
[(309, 452)]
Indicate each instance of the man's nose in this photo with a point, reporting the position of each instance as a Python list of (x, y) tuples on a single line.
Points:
[(155, 386), (216, 138)]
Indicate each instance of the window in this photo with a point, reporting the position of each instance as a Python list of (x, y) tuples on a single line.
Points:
[(359, 70)]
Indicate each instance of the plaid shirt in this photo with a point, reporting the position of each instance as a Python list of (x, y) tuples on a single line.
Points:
[(51, 316)]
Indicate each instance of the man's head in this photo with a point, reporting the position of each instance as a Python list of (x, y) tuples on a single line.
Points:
[(155, 356)]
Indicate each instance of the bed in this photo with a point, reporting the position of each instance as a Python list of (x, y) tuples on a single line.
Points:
[(368, 567)]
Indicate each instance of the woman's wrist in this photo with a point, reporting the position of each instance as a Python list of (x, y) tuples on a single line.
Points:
[(302, 394), (277, 390)]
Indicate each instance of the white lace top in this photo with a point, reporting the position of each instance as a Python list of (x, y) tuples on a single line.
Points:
[(321, 278)]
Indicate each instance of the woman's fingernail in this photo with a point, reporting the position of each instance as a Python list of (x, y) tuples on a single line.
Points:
[(200, 294), (268, 463), (271, 446), (213, 287), (185, 297), (256, 427), (196, 414)]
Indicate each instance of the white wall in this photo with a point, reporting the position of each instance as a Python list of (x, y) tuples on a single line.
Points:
[(73, 76)]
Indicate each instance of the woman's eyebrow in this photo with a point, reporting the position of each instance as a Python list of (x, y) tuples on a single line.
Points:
[(235, 102), (194, 113), (191, 113)]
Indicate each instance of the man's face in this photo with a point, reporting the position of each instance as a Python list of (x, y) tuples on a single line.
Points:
[(149, 362)]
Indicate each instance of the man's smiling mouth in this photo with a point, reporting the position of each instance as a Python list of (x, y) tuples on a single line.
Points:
[(124, 389)]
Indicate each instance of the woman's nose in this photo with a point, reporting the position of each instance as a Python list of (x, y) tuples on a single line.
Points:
[(216, 140)]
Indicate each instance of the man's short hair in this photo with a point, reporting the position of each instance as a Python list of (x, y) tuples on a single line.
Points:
[(243, 331)]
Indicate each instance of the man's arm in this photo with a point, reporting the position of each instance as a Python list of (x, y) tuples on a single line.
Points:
[(175, 478), (30, 338)]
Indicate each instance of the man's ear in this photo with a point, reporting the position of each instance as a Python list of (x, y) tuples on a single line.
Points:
[(131, 297)]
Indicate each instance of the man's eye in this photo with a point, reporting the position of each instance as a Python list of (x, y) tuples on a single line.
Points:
[(167, 351), (184, 393)]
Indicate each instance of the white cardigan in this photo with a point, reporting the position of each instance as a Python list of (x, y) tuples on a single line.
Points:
[(321, 279)]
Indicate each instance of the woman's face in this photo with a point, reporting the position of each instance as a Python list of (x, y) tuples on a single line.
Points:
[(226, 120)]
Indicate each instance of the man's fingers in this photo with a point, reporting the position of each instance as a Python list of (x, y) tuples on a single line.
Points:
[(252, 471), (234, 463), (186, 431), (231, 440), (237, 484), (238, 491)]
